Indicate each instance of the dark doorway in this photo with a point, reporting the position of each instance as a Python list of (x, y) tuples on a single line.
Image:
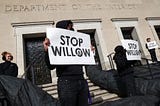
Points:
[(91, 32), (130, 33), (38, 72), (127, 32), (157, 28)]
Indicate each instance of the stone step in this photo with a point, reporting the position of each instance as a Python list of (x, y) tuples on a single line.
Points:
[(113, 99), (55, 95), (99, 92), (96, 100), (50, 88), (93, 88), (108, 96), (52, 92), (98, 95), (90, 84), (55, 85), (47, 85)]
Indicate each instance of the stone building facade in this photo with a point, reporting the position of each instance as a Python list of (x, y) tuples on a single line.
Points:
[(23, 25)]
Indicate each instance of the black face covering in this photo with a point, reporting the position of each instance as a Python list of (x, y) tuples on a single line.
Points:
[(64, 24)]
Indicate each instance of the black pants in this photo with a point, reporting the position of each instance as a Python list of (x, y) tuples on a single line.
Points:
[(126, 85), (153, 55), (4, 102), (73, 92)]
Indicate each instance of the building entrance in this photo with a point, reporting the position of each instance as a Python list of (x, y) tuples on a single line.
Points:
[(34, 56)]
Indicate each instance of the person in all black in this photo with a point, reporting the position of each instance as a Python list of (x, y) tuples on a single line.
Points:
[(72, 87), (152, 52), (7, 67), (126, 83)]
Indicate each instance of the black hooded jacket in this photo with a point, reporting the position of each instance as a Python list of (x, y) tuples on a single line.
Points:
[(65, 71), (8, 68), (121, 60)]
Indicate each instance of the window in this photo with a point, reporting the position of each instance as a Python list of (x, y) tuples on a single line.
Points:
[(157, 28), (154, 23), (127, 32)]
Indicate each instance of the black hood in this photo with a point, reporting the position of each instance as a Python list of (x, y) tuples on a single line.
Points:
[(63, 24), (119, 49)]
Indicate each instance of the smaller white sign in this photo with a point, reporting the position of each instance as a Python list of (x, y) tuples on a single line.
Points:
[(132, 49), (152, 45), (69, 47)]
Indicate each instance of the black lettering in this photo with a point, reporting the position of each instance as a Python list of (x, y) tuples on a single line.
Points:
[(67, 52), (129, 52), (80, 42), (67, 39), (64, 52), (86, 52), (72, 52), (135, 46), (56, 51), (62, 39), (78, 51), (74, 41), (132, 46), (133, 52)]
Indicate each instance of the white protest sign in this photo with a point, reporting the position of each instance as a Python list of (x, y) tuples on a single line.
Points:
[(132, 49), (69, 47), (152, 45)]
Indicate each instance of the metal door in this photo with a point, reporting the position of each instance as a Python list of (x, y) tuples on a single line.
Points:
[(38, 72)]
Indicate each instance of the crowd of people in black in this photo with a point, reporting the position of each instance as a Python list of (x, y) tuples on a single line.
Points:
[(72, 87)]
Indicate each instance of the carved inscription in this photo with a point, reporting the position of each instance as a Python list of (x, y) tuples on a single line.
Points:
[(87, 7), (121, 6), (62, 7), (31, 8)]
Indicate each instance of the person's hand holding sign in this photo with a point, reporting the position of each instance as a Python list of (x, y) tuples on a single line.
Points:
[(46, 44)]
